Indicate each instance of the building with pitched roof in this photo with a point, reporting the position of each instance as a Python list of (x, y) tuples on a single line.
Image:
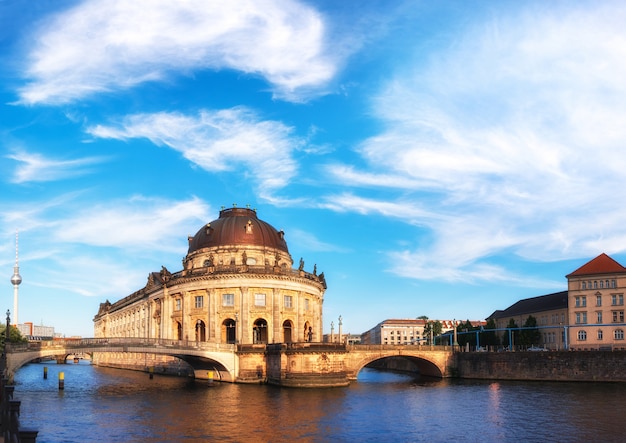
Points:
[(550, 311), (589, 315), (596, 305)]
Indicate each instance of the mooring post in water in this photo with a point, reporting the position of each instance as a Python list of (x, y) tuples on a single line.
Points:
[(45, 373), (61, 381), (151, 371)]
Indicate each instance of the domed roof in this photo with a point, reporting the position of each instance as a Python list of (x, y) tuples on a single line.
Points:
[(238, 226)]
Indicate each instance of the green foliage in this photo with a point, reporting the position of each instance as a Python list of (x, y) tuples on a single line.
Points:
[(463, 337), (432, 326), (530, 336), (15, 336), (489, 338)]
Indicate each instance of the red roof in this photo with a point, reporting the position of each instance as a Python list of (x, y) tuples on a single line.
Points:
[(602, 264)]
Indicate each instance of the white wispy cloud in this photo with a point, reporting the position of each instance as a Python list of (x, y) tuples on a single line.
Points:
[(138, 224), (34, 167), (518, 129), (218, 141), (107, 45)]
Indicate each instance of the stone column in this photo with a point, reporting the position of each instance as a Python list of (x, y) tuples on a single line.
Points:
[(277, 333), (244, 316)]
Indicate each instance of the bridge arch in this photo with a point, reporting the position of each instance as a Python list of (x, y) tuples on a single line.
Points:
[(403, 363)]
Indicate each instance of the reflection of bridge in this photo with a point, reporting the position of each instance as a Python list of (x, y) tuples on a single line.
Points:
[(294, 364)]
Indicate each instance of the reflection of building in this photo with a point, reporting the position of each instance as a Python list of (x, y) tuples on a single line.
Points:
[(596, 304), (550, 311), (237, 285)]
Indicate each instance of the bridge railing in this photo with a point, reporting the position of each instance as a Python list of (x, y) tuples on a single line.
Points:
[(103, 342), (416, 347)]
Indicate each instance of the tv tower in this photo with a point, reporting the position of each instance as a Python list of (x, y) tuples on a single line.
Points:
[(16, 280)]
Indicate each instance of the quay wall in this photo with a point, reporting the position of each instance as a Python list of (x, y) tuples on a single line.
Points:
[(597, 366)]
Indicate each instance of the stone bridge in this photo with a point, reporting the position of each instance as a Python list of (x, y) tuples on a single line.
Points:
[(293, 364)]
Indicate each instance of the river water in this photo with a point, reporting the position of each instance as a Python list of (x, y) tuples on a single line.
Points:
[(111, 405)]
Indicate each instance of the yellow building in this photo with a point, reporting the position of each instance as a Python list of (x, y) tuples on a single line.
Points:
[(237, 285), (596, 305)]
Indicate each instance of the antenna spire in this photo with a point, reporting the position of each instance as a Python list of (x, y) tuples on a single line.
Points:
[(16, 279)]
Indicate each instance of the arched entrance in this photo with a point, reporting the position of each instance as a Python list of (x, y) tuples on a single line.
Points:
[(287, 331), (259, 331), (229, 331), (200, 331), (179, 331)]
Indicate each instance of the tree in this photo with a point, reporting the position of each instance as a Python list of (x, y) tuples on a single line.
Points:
[(15, 336), (463, 339), (489, 336), (530, 336), (432, 326), (505, 338), (423, 317)]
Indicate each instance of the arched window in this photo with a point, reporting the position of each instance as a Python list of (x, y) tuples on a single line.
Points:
[(582, 335), (200, 331), (259, 332), (229, 328), (287, 330)]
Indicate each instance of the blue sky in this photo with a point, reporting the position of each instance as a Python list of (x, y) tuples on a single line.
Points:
[(431, 158)]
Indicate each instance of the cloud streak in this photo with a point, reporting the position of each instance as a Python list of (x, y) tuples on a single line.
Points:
[(218, 141), (34, 167), (108, 45), (513, 136)]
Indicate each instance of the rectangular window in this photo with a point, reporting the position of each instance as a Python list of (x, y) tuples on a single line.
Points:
[(199, 301), (577, 302), (618, 316), (178, 306), (583, 300), (306, 304), (581, 317), (598, 300), (599, 317), (259, 299), (228, 299), (288, 301), (600, 335)]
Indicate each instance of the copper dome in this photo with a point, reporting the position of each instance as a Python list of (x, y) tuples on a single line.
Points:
[(238, 226)]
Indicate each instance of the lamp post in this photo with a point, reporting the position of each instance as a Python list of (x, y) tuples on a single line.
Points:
[(7, 337), (340, 323)]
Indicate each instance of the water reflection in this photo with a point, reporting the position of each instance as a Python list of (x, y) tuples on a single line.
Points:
[(107, 405)]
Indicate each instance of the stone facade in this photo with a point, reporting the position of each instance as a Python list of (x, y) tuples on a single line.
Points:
[(596, 305), (237, 286)]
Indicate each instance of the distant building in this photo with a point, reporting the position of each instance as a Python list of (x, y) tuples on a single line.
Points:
[(596, 305), (404, 331), (36, 332), (550, 311), (589, 315)]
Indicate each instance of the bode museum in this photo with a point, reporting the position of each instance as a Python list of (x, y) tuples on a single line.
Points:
[(238, 285)]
